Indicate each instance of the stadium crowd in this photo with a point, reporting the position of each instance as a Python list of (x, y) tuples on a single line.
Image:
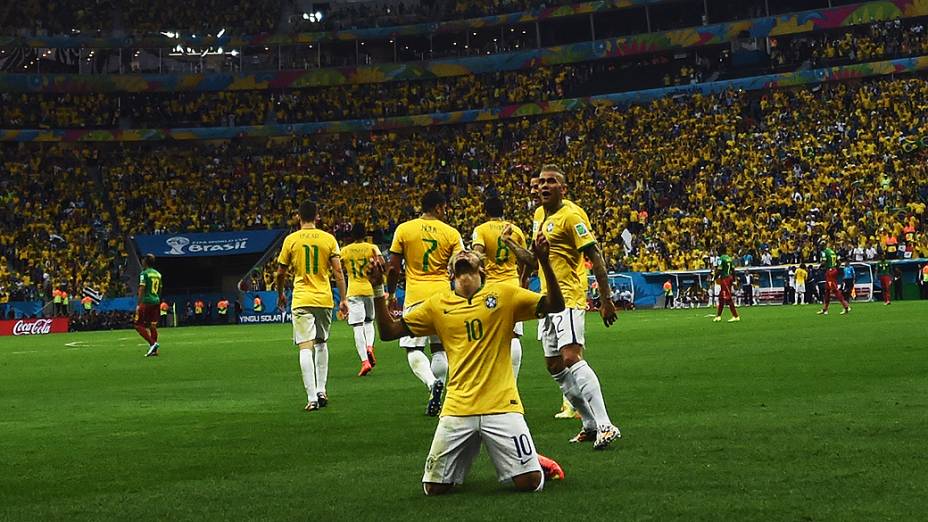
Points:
[(768, 172), (230, 108)]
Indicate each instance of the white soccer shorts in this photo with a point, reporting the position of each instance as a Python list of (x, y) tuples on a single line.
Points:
[(563, 328), (457, 442), (541, 329), (801, 288), (360, 310), (519, 329), (417, 342), (311, 323)]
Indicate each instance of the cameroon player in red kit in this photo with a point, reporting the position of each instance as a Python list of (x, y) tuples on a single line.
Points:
[(830, 265)]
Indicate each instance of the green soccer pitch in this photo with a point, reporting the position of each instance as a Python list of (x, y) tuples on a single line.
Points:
[(784, 416)]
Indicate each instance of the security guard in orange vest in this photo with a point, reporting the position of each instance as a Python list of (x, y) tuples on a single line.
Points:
[(222, 307), (198, 307), (668, 294), (163, 308), (87, 302), (56, 299)]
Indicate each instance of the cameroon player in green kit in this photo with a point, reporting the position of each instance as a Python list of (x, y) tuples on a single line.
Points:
[(724, 275), (147, 310)]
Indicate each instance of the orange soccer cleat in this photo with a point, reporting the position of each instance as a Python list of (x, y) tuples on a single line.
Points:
[(365, 368), (551, 469), (370, 356)]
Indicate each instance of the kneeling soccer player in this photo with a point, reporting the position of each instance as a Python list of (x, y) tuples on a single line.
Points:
[(475, 321)]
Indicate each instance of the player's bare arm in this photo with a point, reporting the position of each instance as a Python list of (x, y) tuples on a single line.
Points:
[(553, 301), (606, 306), (523, 255), (336, 263), (393, 276), (281, 283), (388, 327)]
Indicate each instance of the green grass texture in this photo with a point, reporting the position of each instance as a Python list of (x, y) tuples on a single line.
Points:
[(786, 415)]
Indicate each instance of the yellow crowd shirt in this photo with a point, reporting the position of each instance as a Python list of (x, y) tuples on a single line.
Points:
[(355, 258), (476, 335), (307, 253), (501, 264), (426, 246), (569, 233), (539, 217)]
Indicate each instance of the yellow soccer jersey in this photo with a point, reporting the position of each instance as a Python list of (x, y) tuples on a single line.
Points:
[(568, 234), (355, 258), (426, 246), (501, 264), (476, 334), (307, 252), (539, 218)]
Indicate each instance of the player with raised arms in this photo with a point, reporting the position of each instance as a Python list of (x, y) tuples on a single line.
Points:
[(424, 245), (147, 309), (356, 257), (571, 238), (475, 320), (312, 255), (501, 264)]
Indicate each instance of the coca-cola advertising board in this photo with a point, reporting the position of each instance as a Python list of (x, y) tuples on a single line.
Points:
[(34, 326)]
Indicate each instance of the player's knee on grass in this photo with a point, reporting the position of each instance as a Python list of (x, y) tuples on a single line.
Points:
[(527, 481), (433, 488)]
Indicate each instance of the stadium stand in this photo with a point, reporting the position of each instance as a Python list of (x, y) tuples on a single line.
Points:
[(770, 170), (766, 171)]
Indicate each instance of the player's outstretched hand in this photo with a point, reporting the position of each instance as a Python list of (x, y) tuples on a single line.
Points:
[(376, 269), (507, 232), (607, 311), (343, 308), (541, 247), (282, 302)]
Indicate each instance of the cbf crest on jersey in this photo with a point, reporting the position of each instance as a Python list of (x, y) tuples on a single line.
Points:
[(550, 227), (491, 301), (581, 229)]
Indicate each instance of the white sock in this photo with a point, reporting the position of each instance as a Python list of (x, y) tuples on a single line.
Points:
[(419, 364), (515, 351), (440, 365), (360, 342), (322, 366), (309, 373), (565, 379), (588, 383), (369, 334)]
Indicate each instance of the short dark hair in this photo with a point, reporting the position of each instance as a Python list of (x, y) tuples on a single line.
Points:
[(149, 260), (308, 211), (432, 200), (358, 231), (493, 207)]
